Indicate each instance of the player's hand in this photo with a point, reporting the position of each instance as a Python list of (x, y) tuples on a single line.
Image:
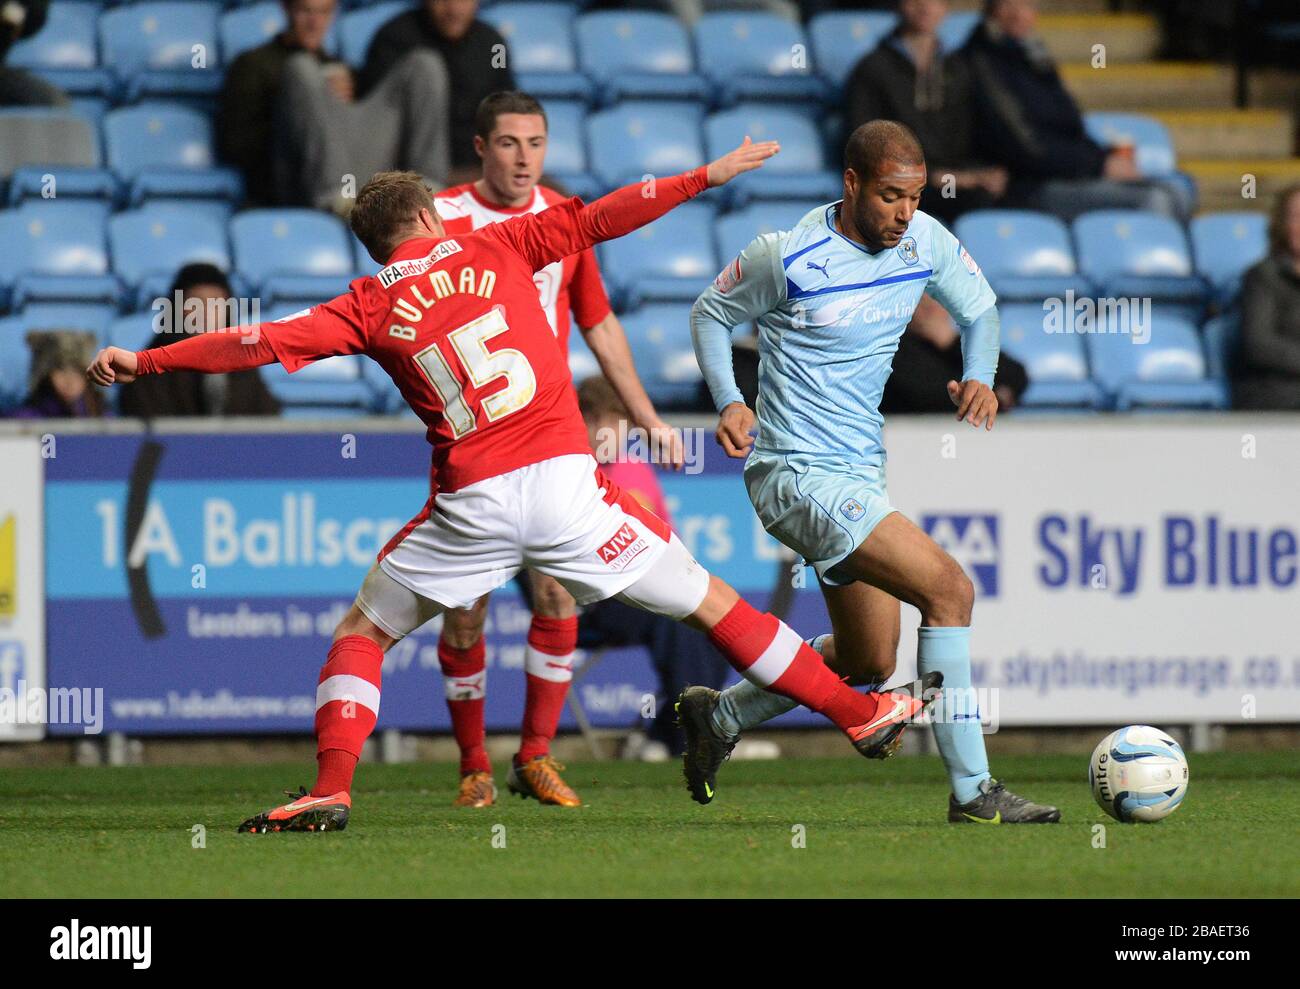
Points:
[(734, 429), (112, 365), (667, 442), (975, 402), (745, 158)]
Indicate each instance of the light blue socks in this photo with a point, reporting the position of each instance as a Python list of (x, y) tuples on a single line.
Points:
[(956, 720)]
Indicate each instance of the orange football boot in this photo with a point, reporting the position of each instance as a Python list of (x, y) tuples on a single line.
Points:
[(881, 737), (303, 813), (476, 790), (540, 779)]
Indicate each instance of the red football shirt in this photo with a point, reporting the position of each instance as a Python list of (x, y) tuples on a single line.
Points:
[(572, 284)]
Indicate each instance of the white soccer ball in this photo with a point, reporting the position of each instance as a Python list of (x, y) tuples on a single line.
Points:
[(1138, 773)]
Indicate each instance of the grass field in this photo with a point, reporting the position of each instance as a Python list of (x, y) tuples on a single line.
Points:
[(69, 832)]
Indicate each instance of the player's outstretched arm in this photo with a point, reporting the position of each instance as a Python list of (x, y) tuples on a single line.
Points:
[(210, 353), (546, 237)]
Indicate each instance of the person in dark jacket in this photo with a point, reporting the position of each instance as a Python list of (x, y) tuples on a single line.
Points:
[(476, 59), (1027, 120), (21, 19), (1267, 366), (204, 293), (289, 118), (911, 79)]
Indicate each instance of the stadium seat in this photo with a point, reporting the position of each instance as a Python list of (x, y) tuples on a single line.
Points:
[(1023, 254), (250, 26), (636, 139), (841, 38), (956, 28), (15, 363), (148, 245), (65, 51), (333, 386), (356, 28), (1168, 370), (638, 54), (134, 332), (1221, 336), (1152, 146), (162, 149), (163, 47), (55, 250), (1056, 362), (91, 317), (292, 254), (660, 338), (582, 362), (1224, 245), (539, 39), (798, 172), (757, 56), (566, 146), (671, 259), (38, 143), (734, 231), (1127, 253)]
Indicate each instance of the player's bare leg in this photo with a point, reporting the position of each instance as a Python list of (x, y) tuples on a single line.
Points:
[(462, 656), (347, 705), (548, 667), (899, 558)]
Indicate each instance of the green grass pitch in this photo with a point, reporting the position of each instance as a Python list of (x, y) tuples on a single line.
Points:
[(70, 832)]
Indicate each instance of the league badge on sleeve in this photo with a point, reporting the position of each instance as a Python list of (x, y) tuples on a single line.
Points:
[(907, 250), (730, 275)]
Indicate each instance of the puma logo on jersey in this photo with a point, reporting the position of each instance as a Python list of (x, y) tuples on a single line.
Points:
[(821, 267), (622, 548)]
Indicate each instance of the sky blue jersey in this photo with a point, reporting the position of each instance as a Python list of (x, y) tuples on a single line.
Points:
[(829, 315)]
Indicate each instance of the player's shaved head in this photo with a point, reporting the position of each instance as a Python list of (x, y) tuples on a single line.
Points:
[(387, 211), (878, 142)]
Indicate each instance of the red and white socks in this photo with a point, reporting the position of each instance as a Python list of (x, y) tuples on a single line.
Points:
[(548, 665), (347, 707), (464, 673)]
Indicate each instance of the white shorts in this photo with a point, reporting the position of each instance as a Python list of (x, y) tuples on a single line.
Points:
[(560, 517)]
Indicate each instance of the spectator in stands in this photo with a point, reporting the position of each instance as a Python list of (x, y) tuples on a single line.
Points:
[(21, 19), (929, 357), (1268, 359), (205, 296), (290, 120), (1027, 120), (910, 78), (681, 655), (475, 57), (59, 389)]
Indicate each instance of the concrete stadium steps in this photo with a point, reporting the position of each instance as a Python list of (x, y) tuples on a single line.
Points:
[(1139, 87), (1127, 37), (1215, 134), (1219, 183), (1275, 88)]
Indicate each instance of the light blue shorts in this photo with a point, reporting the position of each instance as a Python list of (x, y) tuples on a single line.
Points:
[(823, 509)]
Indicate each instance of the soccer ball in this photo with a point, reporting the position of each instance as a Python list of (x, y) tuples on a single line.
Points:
[(1138, 773)]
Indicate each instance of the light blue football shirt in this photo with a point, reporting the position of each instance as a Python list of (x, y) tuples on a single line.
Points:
[(829, 316)]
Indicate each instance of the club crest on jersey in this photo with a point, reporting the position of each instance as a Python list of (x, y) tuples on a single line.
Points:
[(728, 278), (852, 509), (622, 548), (969, 261), (398, 270), (907, 250)]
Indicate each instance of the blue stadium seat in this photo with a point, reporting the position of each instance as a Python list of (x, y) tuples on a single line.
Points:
[(660, 338), (250, 26), (52, 152), (1126, 253), (292, 254), (566, 145), (333, 386), (955, 29), (1221, 336), (638, 54), (635, 139), (151, 47), (55, 250), (1224, 245), (66, 51), (91, 317), (1153, 148), (385, 399), (163, 149), (582, 362), (356, 28), (15, 363), (134, 332), (148, 245), (840, 39), (1168, 370), (1023, 254), (1056, 362), (798, 172), (735, 230), (539, 39), (672, 259), (757, 56)]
